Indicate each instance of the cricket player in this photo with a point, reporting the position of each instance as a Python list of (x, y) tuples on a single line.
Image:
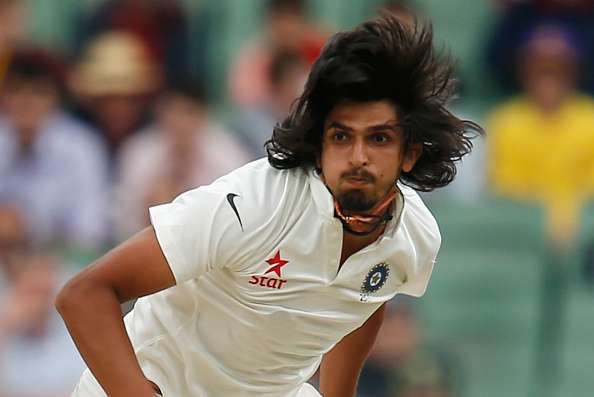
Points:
[(249, 285)]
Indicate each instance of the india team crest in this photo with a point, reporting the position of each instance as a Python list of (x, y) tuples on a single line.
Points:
[(375, 279)]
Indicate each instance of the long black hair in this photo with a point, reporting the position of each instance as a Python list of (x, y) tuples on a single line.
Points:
[(383, 59)]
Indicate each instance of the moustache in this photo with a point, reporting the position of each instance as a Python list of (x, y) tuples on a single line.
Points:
[(359, 173)]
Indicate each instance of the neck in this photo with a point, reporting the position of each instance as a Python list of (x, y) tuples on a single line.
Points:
[(370, 225), (364, 223), (27, 138), (352, 243)]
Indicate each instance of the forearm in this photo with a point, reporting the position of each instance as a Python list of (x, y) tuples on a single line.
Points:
[(94, 319), (338, 380), (341, 366)]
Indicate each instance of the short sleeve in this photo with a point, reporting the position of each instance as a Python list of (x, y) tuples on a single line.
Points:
[(425, 240), (192, 231), (417, 285)]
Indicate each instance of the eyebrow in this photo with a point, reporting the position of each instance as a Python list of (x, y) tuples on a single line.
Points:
[(340, 126), (384, 127), (389, 125)]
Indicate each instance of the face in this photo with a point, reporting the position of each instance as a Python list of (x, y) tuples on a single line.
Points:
[(118, 115), (549, 69), (13, 23), (289, 88), (181, 118), (28, 103), (285, 29), (363, 153), (548, 80)]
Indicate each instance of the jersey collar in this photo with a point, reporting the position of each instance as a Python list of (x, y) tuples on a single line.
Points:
[(325, 203)]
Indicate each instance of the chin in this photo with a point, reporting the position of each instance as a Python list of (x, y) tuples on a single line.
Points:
[(356, 200)]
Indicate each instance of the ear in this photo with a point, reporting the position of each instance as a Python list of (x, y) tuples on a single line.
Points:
[(411, 156), (319, 161)]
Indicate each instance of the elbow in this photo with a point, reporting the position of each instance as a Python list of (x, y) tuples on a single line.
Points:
[(71, 296), (81, 293), (65, 298)]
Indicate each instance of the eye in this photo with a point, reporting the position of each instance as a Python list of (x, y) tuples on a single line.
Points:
[(339, 136), (380, 138)]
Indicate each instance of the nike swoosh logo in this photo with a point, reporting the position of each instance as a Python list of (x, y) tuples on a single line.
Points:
[(230, 198)]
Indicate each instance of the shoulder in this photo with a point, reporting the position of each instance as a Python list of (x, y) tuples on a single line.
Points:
[(583, 104), (258, 192), (74, 137), (146, 143), (66, 126), (509, 110), (264, 187), (6, 137), (420, 235), (419, 222), (3, 125), (240, 213)]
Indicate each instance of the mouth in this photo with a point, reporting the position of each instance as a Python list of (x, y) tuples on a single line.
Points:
[(357, 180)]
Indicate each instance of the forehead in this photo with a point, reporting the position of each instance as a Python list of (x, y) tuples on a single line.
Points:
[(18, 82), (361, 115)]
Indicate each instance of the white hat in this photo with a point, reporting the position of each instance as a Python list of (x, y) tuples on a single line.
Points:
[(115, 63)]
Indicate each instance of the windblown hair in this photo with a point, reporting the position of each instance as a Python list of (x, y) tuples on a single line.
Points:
[(383, 59)]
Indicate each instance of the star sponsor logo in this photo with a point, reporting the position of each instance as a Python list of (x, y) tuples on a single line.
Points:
[(374, 280), (276, 264)]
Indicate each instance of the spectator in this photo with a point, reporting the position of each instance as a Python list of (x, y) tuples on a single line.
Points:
[(542, 142), (115, 82), (402, 364), (184, 148), (13, 242), (12, 27), (519, 17), (287, 28), (161, 25), (37, 356), (52, 168), (404, 10), (287, 73), (32, 340)]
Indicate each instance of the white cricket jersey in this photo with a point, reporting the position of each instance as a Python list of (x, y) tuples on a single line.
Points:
[(259, 296)]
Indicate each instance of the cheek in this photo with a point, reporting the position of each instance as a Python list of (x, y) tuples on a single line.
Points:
[(389, 167), (331, 165)]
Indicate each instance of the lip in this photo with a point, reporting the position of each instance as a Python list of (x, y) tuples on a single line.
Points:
[(357, 181)]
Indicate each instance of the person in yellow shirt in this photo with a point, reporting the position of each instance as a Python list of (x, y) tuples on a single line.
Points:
[(542, 142)]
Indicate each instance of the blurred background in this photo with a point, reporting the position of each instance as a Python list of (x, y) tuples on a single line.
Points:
[(107, 107)]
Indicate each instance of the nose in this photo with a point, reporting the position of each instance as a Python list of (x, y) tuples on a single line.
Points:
[(358, 155)]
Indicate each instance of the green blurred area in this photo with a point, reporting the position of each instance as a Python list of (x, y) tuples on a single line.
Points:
[(459, 27), (484, 300)]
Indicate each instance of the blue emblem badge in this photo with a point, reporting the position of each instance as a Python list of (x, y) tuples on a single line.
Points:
[(375, 279)]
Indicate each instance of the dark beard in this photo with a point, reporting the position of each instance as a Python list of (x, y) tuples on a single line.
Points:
[(355, 201)]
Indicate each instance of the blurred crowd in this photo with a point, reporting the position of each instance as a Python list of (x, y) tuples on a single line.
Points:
[(93, 136)]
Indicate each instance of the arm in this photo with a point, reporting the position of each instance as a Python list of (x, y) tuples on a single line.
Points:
[(340, 368), (90, 307)]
